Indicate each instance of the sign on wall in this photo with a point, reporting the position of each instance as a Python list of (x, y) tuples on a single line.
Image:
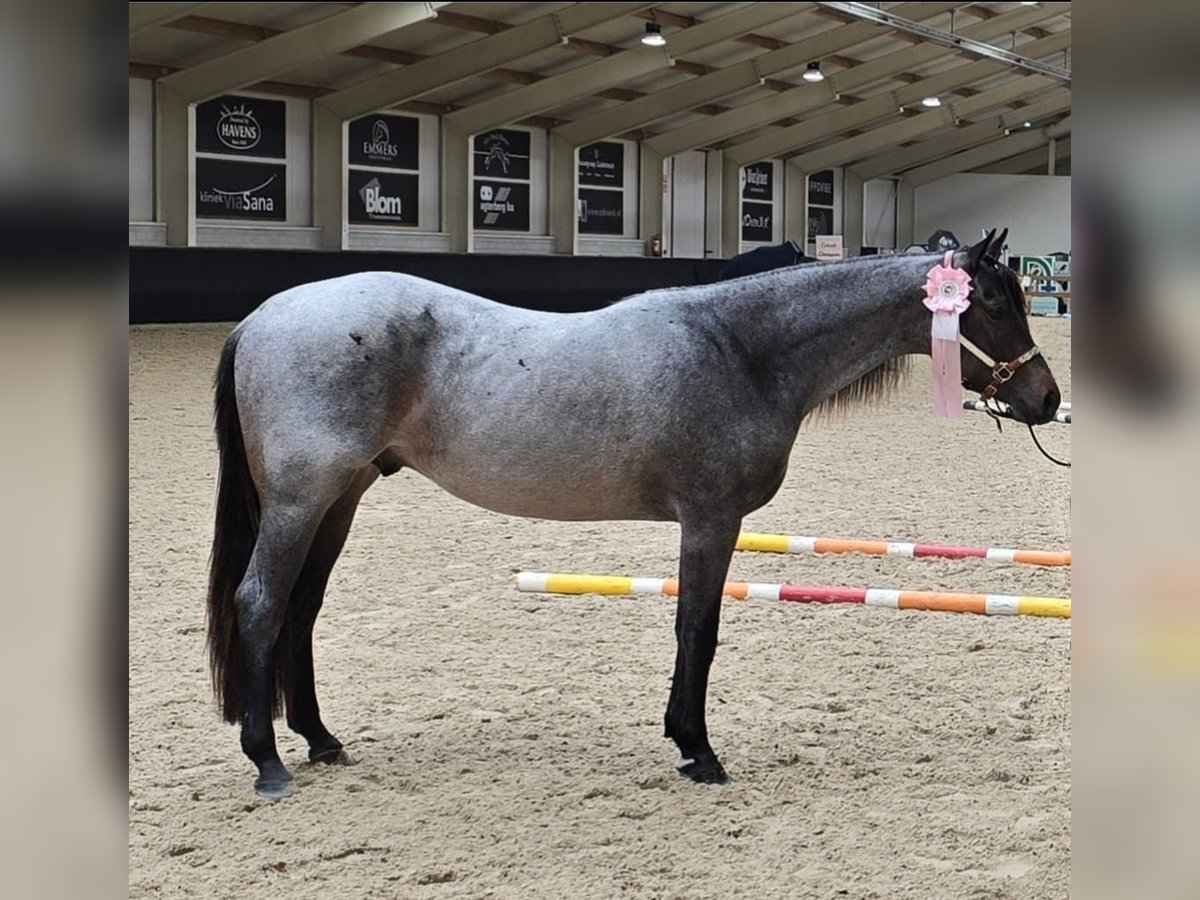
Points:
[(387, 141), (502, 153), (233, 189), (501, 206), (829, 247), (820, 188), (820, 203), (242, 126), (820, 221), (756, 221), (382, 198), (602, 164), (601, 212), (756, 181)]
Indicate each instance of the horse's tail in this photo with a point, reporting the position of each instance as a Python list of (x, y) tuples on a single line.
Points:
[(233, 541)]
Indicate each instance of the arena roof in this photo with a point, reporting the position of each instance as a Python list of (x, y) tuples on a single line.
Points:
[(729, 77)]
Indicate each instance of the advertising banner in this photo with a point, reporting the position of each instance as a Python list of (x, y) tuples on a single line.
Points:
[(233, 189), (382, 198), (601, 212), (501, 206), (602, 164), (756, 221), (820, 188), (502, 153), (756, 181), (387, 141), (242, 126)]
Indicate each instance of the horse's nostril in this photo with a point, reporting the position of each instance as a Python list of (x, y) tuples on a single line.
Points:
[(1050, 407)]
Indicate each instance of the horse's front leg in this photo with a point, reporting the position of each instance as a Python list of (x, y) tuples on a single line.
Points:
[(707, 543)]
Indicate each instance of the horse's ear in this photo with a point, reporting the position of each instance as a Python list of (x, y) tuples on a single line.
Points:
[(997, 246), (977, 251)]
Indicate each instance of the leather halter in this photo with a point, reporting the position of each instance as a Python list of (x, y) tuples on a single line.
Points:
[(1002, 371)]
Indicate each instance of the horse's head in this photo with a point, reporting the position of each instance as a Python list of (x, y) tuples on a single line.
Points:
[(996, 323)]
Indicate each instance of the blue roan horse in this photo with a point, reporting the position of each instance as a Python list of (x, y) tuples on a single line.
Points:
[(676, 405)]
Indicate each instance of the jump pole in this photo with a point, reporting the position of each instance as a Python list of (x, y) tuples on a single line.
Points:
[(996, 407), (982, 604), (786, 543)]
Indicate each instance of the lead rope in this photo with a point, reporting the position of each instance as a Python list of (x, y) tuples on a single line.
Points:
[(995, 418), (1037, 443)]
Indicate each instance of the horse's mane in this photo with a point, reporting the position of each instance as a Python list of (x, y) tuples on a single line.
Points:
[(877, 385)]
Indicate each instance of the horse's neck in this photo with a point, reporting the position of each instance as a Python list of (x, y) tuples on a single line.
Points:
[(822, 327)]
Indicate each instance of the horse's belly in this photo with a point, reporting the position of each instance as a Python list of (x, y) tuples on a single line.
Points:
[(585, 495)]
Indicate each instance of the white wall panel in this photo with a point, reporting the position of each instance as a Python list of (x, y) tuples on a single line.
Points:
[(879, 214), (688, 179), (1035, 208), (141, 150)]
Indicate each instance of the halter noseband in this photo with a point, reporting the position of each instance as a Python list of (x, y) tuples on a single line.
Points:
[(1001, 372)]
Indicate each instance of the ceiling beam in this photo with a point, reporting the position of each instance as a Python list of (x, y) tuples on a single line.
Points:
[(725, 81), (810, 96), (853, 148), (987, 153), (560, 89), (588, 80), (946, 38), (1029, 162), (153, 71), (327, 37), (663, 102), (897, 161), (696, 92), (144, 16), (723, 28), (503, 46), (885, 106)]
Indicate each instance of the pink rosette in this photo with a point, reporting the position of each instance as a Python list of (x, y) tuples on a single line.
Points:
[(946, 292)]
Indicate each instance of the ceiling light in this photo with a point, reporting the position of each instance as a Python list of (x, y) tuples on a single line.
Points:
[(932, 102), (653, 36), (1028, 124), (813, 72)]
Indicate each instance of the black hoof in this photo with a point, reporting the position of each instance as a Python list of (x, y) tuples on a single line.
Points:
[(704, 771), (274, 786), (331, 756)]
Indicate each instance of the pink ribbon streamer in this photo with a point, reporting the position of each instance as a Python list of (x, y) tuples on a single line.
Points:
[(946, 291)]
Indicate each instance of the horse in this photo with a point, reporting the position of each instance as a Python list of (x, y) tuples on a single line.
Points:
[(678, 405)]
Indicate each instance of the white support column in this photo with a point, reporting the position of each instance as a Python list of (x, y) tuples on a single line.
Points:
[(906, 213), (795, 205), (456, 188), (650, 199), (564, 190), (175, 169), (731, 208), (1051, 156), (714, 205), (852, 213), (329, 177)]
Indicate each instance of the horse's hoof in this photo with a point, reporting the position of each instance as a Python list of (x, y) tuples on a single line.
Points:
[(704, 771), (331, 756), (274, 788)]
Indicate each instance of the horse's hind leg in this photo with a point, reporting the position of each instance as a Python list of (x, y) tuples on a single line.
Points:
[(303, 712), (286, 530), (707, 547)]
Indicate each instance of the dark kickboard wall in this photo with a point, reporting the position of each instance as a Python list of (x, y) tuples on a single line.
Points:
[(169, 284)]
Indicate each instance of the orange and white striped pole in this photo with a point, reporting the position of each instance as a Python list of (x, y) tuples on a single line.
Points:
[(785, 543), (982, 604)]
